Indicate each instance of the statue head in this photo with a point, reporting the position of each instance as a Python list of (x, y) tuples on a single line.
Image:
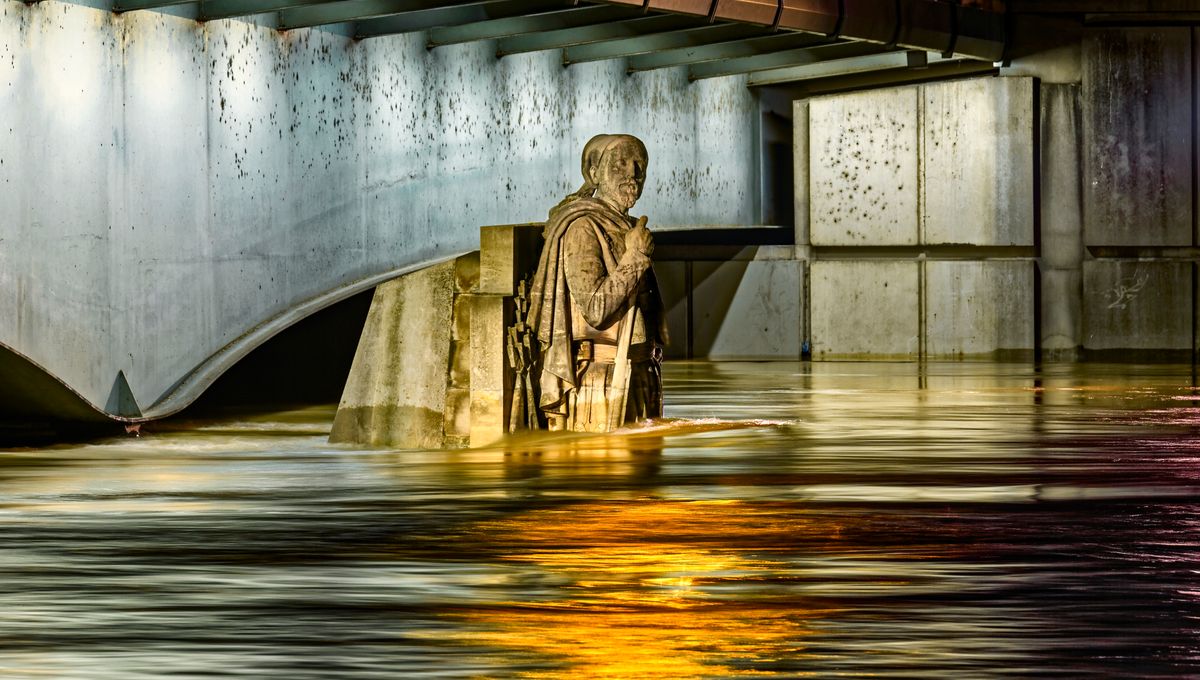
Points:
[(616, 166), (614, 171)]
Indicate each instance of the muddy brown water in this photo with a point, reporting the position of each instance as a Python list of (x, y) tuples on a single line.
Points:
[(964, 520)]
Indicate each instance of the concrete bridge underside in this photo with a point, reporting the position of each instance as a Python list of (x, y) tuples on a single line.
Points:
[(178, 185), (181, 181)]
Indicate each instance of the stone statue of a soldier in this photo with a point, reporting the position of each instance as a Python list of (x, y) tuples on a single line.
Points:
[(594, 291)]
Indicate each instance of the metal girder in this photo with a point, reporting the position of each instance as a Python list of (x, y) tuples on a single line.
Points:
[(550, 40), (532, 23), (1142, 19), (349, 10), (1086, 6), (870, 72), (225, 9), (474, 13), (977, 29), (725, 50), (132, 5), (773, 60), (841, 67), (624, 47)]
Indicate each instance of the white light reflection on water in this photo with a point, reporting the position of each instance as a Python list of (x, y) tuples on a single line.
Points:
[(788, 520)]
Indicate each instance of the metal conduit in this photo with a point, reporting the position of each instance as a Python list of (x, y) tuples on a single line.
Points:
[(931, 25)]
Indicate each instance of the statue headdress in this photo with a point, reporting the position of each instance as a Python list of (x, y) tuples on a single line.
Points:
[(593, 153)]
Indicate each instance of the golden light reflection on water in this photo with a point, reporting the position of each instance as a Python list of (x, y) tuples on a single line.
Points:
[(648, 589)]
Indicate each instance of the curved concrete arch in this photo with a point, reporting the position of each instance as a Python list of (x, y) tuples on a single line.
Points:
[(191, 386), (30, 389)]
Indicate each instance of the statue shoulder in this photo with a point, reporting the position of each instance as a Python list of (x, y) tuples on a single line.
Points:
[(582, 231)]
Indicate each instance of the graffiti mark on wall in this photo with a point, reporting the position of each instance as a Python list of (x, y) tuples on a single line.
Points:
[(1127, 290)]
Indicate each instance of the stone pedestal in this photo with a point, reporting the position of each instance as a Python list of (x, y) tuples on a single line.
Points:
[(404, 389), (431, 370)]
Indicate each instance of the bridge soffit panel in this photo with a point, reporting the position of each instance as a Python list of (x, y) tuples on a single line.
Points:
[(643, 28)]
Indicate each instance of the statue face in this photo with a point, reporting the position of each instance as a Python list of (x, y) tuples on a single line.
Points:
[(621, 174)]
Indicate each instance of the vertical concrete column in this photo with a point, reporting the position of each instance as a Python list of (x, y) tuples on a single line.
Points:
[(491, 373), (800, 165), (1062, 252), (456, 424)]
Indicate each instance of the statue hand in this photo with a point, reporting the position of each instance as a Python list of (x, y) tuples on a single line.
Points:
[(639, 239)]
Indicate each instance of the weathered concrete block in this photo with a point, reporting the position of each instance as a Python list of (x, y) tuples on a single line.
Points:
[(673, 284), (460, 344), (1137, 118), (748, 310), (1129, 304), (491, 382), (977, 162), (863, 309), (506, 253), (978, 309), (863, 168), (466, 273), (456, 423), (396, 392)]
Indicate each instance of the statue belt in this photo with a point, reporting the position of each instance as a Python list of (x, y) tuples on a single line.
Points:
[(589, 350)]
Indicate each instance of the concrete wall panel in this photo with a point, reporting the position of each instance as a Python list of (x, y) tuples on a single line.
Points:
[(865, 309), (1137, 101), (1137, 305), (978, 308), (201, 185), (748, 309), (62, 101), (161, 185), (863, 167), (977, 162), (672, 283)]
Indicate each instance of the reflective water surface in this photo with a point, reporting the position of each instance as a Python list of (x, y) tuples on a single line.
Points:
[(786, 520)]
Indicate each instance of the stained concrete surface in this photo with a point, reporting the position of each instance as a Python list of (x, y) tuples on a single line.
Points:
[(1130, 304), (1137, 123), (865, 309), (1061, 191), (749, 309), (863, 168), (396, 392), (980, 309), (977, 162), (964, 152)]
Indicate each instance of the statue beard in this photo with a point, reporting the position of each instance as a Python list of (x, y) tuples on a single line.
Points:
[(627, 194)]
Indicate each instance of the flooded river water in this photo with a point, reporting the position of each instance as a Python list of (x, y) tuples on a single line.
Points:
[(963, 520)]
